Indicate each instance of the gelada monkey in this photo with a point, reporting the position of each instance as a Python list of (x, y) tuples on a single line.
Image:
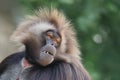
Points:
[(51, 50)]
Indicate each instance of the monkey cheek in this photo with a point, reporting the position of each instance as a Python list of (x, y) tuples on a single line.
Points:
[(45, 59)]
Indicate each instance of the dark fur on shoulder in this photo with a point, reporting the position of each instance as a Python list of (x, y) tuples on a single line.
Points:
[(58, 71)]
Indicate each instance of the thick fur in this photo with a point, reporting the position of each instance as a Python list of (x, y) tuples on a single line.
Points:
[(31, 27), (67, 64), (58, 70)]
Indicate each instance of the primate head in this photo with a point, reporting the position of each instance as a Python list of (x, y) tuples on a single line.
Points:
[(48, 36)]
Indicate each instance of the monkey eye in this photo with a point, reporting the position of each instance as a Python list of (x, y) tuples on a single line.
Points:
[(57, 40), (50, 34)]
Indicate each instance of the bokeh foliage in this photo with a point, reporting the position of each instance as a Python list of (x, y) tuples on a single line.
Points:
[(97, 23)]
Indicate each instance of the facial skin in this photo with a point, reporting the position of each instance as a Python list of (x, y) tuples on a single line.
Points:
[(48, 51)]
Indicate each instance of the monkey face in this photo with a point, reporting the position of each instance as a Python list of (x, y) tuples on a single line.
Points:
[(48, 51), (48, 36)]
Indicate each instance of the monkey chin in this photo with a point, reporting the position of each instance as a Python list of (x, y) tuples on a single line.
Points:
[(47, 54)]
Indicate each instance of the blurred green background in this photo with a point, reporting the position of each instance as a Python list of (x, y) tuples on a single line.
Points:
[(97, 23)]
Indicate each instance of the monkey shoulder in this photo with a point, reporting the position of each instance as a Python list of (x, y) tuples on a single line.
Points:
[(59, 71), (11, 61)]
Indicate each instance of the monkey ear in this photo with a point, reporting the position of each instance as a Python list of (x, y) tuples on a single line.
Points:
[(25, 64)]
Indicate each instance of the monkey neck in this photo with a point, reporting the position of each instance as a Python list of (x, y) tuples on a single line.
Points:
[(25, 64), (29, 59)]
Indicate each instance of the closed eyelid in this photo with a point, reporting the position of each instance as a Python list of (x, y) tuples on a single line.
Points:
[(50, 35), (58, 40), (54, 35)]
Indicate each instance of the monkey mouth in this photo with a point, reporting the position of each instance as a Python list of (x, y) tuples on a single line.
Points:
[(48, 49), (47, 52)]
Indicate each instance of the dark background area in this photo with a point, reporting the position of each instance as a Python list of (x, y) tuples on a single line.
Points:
[(97, 23)]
